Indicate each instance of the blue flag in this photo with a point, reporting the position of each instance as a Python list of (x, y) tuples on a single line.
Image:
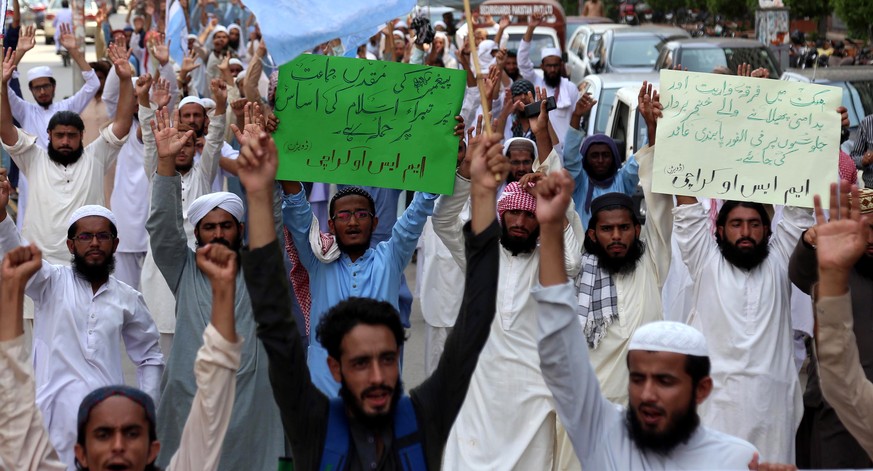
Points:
[(297, 26), (177, 32)]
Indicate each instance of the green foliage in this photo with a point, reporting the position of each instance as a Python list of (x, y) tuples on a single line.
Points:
[(856, 14), (666, 5), (809, 8), (732, 9)]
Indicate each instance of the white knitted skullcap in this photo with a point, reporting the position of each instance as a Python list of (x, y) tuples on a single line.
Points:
[(668, 336), (39, 72), (92, 210)]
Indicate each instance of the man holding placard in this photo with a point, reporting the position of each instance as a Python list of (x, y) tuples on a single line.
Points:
[(741, 301)]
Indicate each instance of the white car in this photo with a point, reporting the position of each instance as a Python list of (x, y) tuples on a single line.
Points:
[(580, 48), (603, 88)]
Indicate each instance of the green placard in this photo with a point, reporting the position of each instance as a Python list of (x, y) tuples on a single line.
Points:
[(362, 122)]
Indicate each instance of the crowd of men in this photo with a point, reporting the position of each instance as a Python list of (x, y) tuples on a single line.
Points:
[(267, 319)]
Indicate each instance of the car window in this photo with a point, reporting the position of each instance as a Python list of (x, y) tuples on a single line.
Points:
[(594, 41), (634, 52), (578, 44), (619, 128), (702, 60), (604, 107), (642, 132), (537, 44), (754, 56)]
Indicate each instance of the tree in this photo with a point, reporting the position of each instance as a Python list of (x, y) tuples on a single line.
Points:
[(818, 9), (856, 14)]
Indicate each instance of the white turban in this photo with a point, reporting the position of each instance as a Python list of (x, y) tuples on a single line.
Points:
[(208, 103), (219, 29), (668, 336), (220, 199), (92, 210), (39, 72)]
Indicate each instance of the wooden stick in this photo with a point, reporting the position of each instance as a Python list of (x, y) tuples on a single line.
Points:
[(480, 74)]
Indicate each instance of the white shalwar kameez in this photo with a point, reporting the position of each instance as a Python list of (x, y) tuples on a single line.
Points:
[(598, 427), (77, 336), (508, 417), (746, 318)]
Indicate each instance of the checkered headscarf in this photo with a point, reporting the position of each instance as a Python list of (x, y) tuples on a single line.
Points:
[(515, 198)]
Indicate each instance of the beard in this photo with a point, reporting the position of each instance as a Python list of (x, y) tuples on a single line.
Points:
[(746, 259), (185, 168), (353, 248), (617, 265), (517, 245), (679, 431), (371, 421), (64, 157), (553, 81), (46, 103), (233, 44), (93, 272)]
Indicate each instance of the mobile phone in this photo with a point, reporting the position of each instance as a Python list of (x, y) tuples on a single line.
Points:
[(533, 109)]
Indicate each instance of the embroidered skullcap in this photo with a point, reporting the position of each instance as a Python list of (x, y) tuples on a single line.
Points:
[(351, 190), (514, 198), (521, 87), (188, 100), (235, 61), (97, 396), (92, 210), (550, 51), (220, 199), (39, 72), (612, 199), (865, 195), (208, 103), (520, 143), (219, 29), (668, 336)]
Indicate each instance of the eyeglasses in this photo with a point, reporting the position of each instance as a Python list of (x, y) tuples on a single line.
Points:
[(40, 88), (346, 216), (87, 237)]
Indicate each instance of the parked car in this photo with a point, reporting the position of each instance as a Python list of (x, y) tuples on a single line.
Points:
[(857, 85), (574, 22), (90, 19), (604, 88), (543, 37), (580, 49), (710, 54), (32, 13), (630, 50)]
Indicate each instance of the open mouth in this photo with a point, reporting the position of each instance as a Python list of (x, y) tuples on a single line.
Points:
[(118, 467)]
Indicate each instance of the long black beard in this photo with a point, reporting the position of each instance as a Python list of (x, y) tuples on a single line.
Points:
[(93, 273), (663, 443), (183, 169), (744, 259), (617, 265), (371, 422), (517, 245), (233, 45), (552, 81), (65, 158)]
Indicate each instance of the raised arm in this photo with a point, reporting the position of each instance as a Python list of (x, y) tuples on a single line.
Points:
[(841, 242), (562, 347), (24, 441), (211, 154), (126, 103), (8, 132), (525, 65), (26, 42), (445, 389), (215, 367), (301, 404), (68, 41)]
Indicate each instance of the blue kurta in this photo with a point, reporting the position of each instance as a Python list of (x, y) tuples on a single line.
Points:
[(374, 275)]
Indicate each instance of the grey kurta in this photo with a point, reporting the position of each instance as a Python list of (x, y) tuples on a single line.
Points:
[(255, 439)]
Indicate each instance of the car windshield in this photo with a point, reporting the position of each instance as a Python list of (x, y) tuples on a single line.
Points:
[(604, 108), (537, 44), (634, 52), (707, 60)]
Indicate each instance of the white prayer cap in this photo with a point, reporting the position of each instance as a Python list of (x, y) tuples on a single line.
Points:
[(193, 36), (39, 72), (399, 34), (208, 103), (668, 336), (438, 24), (520, 140), (92, 210), (235, 61), (401, 24), (220, 199), (190, 99), (219, 29), (550, 51)]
